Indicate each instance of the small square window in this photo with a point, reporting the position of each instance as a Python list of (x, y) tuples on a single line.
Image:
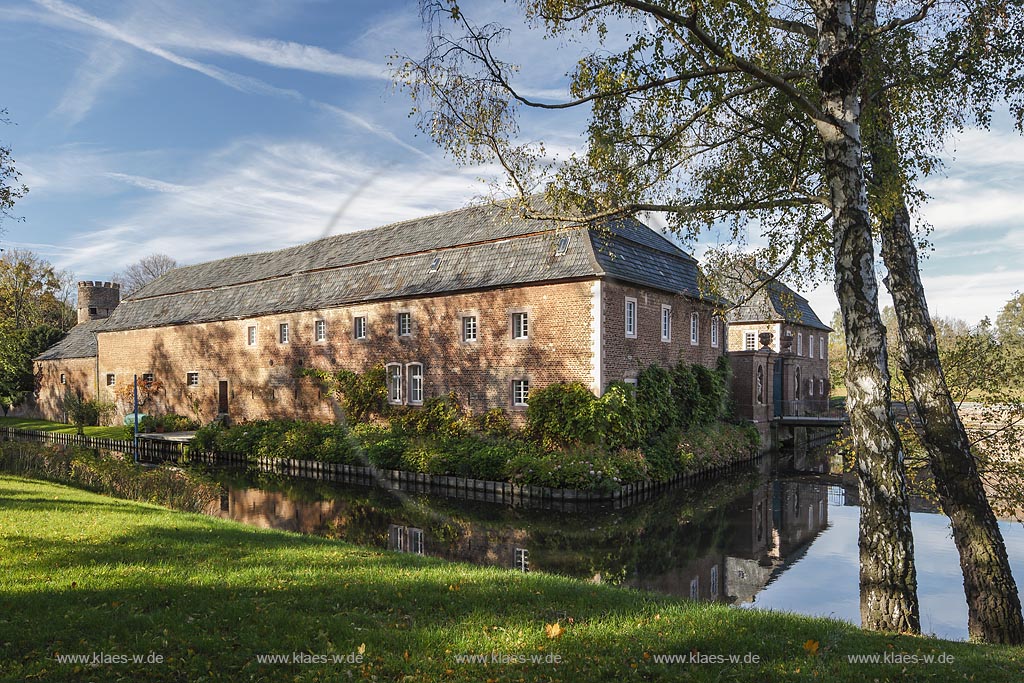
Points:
[(469, 328), (111, 379), (359, 327), (192, 379), (92, 311), (520, 326), (63, 378), (666, 323), (148, 377), (630, 317), (282, 333), (404, 324), (320, 330), (250, 335), (520, 392)]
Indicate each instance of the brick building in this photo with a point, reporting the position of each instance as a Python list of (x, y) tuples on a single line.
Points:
[(474, 301)]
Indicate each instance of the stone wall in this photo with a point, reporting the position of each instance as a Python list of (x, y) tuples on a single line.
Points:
[(79, 377)]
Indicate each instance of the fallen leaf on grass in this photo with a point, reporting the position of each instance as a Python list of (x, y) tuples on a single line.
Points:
[(554, 630)]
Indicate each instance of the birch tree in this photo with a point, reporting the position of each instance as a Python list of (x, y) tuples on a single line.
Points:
[(739, 111)]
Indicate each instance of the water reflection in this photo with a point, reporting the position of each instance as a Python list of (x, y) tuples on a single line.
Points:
[(756, 539)]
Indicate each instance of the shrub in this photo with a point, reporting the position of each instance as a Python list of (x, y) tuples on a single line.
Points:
[(168, 423), (440, 417), (84, 412), (617, 417), (654, 393), (494, 423), (361, 395), (562, 414), (716, 445)]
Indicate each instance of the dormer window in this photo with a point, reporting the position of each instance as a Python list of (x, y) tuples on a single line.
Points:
[(563, 245), (434, 264)]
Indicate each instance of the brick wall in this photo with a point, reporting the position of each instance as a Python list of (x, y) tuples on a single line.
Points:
[(624, 356), (813, 370), (79, 374), (260, 378)]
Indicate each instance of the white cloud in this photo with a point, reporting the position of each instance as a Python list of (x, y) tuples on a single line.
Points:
[(104, 63), (256, 196), (284, 55)]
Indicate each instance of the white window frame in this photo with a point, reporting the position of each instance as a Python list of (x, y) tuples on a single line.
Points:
[(629, 318), (714, 332), (695, 588), (283, 333), (750, 341), (521, 559), (523, 320), (415, 543), (251, 335), (403, 324), (821, 386), (666, 323), (821, 348), (111, 379), (810, 346), (359, 327), (694, 328), (188, 379), (413, 388), (631, 381), (467, 322), (800, 343), (395, 394), (151, 377), (320, 330), (63, 378), (518, 383)]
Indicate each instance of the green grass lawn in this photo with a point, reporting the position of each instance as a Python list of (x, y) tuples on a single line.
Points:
[(82, 574), (47, 426)]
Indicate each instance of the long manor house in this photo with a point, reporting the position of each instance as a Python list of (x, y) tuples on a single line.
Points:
[(475, 301)]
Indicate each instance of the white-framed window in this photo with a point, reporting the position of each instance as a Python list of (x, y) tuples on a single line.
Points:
[(520, 392), (282, 333), (520, 325), (415, 540), (750, 341), (694, 328), (714, 581), (394, 375), (469, 328), (630, 317), (563, 245), (821, 347), (359, 327), (250, 335), (714, 332), (810, 346), (695, 588), (63, 378), (192, 379), (320, 330), (404, 323), (111, 379), (148, 377), (821, 387), (415, 373), (666, 323), (521, 559), (799, 343)]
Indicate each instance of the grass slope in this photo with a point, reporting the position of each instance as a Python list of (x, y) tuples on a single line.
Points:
[(60, 427), (85, 574)]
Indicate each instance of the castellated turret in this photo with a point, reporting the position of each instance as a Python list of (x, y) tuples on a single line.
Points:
[(97, 299)]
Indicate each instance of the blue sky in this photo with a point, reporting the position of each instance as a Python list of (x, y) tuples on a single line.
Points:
[(203, 129)]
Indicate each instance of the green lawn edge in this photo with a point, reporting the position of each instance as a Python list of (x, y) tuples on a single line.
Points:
[(90, 575), (115, 432)]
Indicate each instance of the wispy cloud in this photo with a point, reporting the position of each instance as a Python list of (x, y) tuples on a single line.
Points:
[(109, 30), (285, 55), (257, 195), (370, 126), (104, 63)]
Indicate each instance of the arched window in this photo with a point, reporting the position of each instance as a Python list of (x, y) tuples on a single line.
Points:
[(415, 372), (760, 384), (394, 375)]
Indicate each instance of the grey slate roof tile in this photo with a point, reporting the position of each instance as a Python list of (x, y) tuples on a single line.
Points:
[(80, 342)]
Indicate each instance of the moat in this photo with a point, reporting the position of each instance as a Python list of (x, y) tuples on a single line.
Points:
[(773, 537)]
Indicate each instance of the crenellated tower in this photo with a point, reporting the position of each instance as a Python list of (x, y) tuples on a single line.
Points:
[(96, 300)]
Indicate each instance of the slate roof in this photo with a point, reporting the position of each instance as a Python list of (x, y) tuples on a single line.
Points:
[(80, 342), (478, 247), (775, 302)]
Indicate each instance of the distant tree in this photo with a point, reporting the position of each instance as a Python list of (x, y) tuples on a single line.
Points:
[(17, 349), (10, 189), (142, 272), (1010, 331), (33, 292)]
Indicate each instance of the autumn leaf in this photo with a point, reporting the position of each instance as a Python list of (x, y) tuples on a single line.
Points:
[(361, 649), (811, 646), (554, 630)]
